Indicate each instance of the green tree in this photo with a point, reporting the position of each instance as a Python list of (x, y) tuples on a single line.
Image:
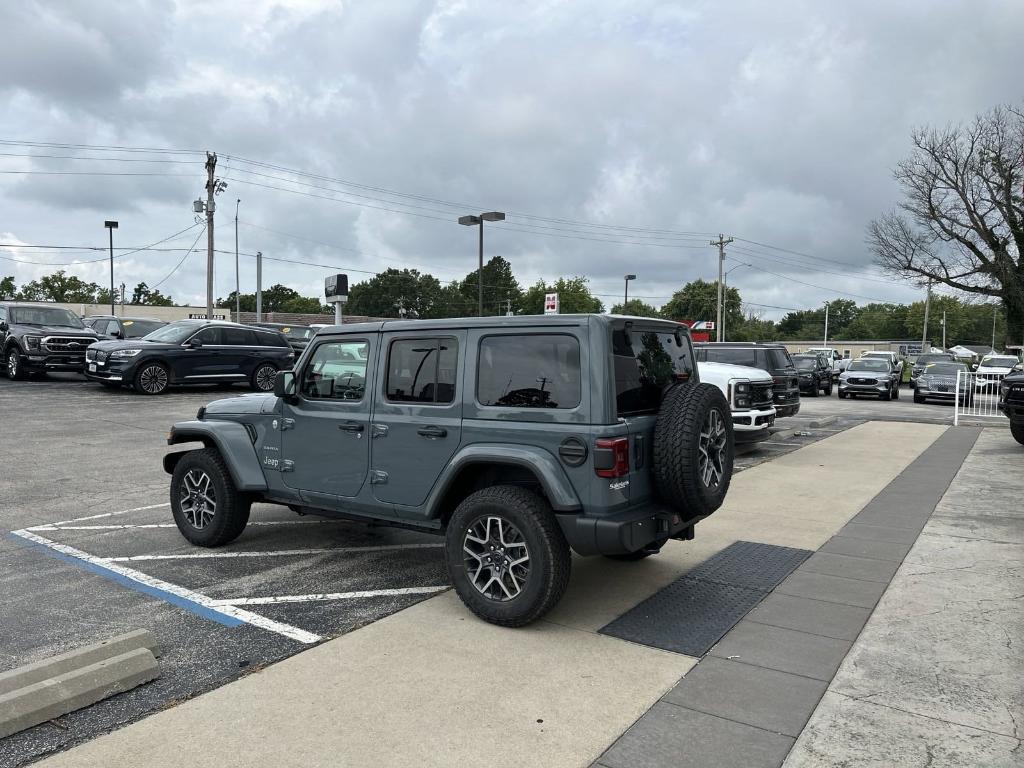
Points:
[(574, 297), (501, 289), (698, 300), (876, 321), (753, 328), (7, 289), (636, 308), (392, 292), (61, 287), (150, 297)]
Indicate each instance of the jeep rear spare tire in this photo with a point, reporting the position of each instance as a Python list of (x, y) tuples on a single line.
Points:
[(693, 448), (506, 555)]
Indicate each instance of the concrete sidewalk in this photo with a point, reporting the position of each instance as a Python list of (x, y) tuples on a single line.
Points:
[(432, 685), (937, 676)]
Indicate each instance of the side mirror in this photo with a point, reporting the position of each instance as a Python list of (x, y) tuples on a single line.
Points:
[(3, 326), (116, 334), (195, 343), (284, 384), (974, 366)]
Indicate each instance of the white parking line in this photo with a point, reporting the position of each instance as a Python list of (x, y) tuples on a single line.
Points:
[(109, 514), (273, 553), (176, 595), (328, 596), (125, 526)]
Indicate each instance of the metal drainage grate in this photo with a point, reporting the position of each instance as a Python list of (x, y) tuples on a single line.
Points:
[(692, 613)]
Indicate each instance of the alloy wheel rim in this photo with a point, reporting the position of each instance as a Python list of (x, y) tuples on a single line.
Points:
[(496, 557), (265, 378), (198, 498), (12, 364), (711, 446), (153, 379)]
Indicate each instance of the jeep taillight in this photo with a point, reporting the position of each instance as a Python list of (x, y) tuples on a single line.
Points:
[(611, 456)]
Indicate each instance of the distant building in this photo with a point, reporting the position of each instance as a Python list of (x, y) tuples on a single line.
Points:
[(854, 349)]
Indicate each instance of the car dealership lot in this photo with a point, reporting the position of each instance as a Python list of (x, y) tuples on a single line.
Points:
[(96, 553)]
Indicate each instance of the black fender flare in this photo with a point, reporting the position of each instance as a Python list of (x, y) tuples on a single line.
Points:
[(231, 440)]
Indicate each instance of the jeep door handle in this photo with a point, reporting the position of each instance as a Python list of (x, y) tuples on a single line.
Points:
[(432, 432), (351, 426)]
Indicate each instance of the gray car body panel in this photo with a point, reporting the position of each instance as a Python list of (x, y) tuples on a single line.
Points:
[(234, 444)]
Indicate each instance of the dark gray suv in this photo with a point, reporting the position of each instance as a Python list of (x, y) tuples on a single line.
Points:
[(517, 439)]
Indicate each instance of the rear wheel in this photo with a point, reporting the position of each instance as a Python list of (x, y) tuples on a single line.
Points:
[(207, 508), (152, 379), (506, 555), (1017, 430)]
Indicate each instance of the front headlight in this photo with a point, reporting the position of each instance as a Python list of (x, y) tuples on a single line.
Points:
[(1003, 389), (743, 387), (124, 353), (33, 342), (742, 402)]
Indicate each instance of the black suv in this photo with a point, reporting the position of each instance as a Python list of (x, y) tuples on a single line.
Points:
[(1011, 401), (924, 360), (191, 352), (773, 358), (298, 335), (815, 374), (37, 338), (122, 327)]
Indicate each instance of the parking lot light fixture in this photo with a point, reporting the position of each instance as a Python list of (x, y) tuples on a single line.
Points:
[(111, 226), (626, 300), (478, 221)]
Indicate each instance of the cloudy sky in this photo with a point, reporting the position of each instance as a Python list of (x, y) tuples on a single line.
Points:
[(618, 136)]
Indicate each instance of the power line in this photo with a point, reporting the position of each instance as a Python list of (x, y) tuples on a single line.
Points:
[(101, 147), (94, 173), (178, 265), (101, 159), (127, 252)]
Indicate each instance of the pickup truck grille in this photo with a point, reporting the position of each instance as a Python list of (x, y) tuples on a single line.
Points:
[(1015, 394), (761, 395), (67, 343)]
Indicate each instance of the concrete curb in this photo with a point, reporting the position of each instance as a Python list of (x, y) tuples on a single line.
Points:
[(57, 696), (56, 666), (785, 434), (824, 421)]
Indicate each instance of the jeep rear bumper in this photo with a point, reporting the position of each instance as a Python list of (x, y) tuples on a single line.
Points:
[(625, 532)]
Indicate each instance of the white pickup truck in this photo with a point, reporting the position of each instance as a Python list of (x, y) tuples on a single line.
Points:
[(749, 392), (839, 362)]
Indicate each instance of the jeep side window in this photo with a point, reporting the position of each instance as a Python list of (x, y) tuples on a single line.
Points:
[(529, 371), (422, 370), (336, 371), (645, 362)]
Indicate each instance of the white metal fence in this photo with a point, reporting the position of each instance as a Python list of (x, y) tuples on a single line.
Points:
[(977, 396)]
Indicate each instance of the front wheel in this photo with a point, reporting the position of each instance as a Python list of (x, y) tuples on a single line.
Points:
[(918, 399), (842, 395), (263, 377), (814, 389), (828, 388), (506, 555), (15, 371), (152, 379), (1017, 430), (208, 509), (896, 392)]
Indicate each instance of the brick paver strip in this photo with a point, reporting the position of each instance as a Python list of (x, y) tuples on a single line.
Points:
[(743, 704)]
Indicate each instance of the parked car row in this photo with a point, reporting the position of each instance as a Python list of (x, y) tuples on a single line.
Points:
[(147, 355)]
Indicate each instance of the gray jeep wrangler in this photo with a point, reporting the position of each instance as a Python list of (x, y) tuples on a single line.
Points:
[(516, 438)]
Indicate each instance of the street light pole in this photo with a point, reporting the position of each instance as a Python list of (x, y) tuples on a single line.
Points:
[(238, 296), (111, 226), (626, 301), (478, 221), (825, 343)]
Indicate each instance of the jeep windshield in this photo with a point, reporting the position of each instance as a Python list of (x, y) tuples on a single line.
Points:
[(171, 334), (54, 316), (875, 365), (804, 363)]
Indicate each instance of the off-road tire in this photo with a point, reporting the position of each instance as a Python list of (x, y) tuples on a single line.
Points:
[(1017, 430), (150, 372), (17, 371), (232, 507), (549, 563), (685, 409), (259, 381)]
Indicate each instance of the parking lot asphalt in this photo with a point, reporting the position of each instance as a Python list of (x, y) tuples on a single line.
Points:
[(83, 476)]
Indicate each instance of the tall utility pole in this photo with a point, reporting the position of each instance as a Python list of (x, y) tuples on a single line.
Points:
[(825, 343), (238, 296), (111, 226), (211, 189), (721, 242), (927, 304), (259, 286), (943, 330)]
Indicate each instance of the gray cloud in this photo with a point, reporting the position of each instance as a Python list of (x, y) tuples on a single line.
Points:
[(779, 124)]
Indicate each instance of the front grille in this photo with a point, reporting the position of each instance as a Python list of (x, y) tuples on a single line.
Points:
[(863, 381), (66, 343), (761, 395), (1016, 394)]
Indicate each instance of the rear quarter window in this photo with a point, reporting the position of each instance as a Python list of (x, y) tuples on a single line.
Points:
[(529, 371)]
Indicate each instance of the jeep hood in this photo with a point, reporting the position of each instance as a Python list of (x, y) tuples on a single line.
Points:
[(720, 373), (255, 403)]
